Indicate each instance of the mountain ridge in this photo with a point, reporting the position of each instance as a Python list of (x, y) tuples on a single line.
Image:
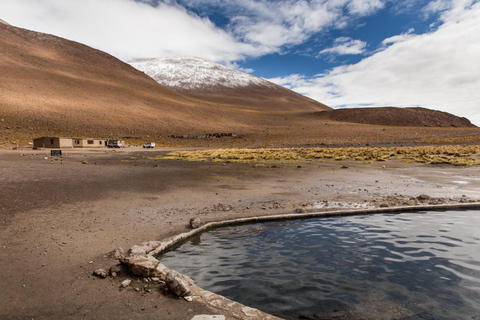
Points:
[(217, 83)]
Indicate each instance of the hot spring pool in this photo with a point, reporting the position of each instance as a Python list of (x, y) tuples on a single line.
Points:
[(423, 265)]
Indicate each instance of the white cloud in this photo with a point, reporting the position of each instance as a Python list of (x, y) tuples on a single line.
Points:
[(277, 23), (151, 28), (398, 38), (346, 45), (438, 70), (236, 66), (128, 29)]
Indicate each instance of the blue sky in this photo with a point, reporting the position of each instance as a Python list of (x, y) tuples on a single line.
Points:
[(344, 53)]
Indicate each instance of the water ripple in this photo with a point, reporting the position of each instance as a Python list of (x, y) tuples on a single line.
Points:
[(410, 265)]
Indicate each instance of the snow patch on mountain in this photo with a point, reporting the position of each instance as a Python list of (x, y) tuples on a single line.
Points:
[(194, 73)]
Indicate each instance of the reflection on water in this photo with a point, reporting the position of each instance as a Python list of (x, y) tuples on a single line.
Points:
[(404, 266)]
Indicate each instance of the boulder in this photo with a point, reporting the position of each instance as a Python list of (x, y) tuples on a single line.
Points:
[(195, 223), (141, 266), (178, 283)]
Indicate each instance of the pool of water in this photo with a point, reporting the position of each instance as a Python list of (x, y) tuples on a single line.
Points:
[(423, 265)]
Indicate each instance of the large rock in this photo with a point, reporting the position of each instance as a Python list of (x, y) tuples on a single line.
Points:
[(141, 266), (178, 283)]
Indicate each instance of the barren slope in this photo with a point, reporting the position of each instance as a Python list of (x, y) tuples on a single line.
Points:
[(50, 85), (390, 116), (217, 83)]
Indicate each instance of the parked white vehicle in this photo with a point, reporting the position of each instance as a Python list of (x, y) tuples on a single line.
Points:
[(149, 145), (115, 144)]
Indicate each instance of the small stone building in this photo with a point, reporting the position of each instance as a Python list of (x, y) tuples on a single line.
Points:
[(89, 143), (53, 142), (61, 142)]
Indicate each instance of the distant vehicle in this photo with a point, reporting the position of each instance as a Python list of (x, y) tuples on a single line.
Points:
[(149, 145), (115, 144)]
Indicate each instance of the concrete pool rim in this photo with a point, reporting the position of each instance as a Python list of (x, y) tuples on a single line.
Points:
[(240, 311)]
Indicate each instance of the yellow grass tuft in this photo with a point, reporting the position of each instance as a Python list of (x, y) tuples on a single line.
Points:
[(454, 155)]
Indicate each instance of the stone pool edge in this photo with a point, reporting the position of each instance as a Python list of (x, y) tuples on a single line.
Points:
[(241, 311)]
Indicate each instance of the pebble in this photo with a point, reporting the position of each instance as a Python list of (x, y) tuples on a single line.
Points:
[(126, 283), (102, 273)]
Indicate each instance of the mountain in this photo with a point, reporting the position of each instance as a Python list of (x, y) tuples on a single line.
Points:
[(216, 83), (390, 116), (53, 86)]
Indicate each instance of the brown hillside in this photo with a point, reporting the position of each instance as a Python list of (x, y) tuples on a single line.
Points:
[(259, 97), (390, 116), (52, 86)]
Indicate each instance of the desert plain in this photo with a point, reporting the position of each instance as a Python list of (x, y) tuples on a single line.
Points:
[(59, 222)]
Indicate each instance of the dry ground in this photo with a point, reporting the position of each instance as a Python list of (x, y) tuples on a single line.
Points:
[(58, 222)]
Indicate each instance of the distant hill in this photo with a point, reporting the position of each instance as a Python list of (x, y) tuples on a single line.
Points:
[(217, 83), (390, 116)]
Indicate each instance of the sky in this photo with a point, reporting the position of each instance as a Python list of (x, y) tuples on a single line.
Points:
[(344, 53)]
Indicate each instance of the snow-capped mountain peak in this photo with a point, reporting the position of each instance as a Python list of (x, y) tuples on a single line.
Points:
[(194, 73)]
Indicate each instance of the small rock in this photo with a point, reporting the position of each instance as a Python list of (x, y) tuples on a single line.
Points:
[(118, 253), (384, 205), (102, 273), (115, 270), (300, 210), (84, 162), (165, 291), (126, 283), (344, 167), (195, 223), (150, 245), (299, 167), (188, 298), (423, 197), (161, 271), (137, 251), (178, 283)]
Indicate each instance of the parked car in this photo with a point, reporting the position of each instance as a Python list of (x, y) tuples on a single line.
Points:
[(149, 145), (115, 144)]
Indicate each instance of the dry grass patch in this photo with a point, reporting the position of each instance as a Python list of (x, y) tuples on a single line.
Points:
[(454, 155)]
